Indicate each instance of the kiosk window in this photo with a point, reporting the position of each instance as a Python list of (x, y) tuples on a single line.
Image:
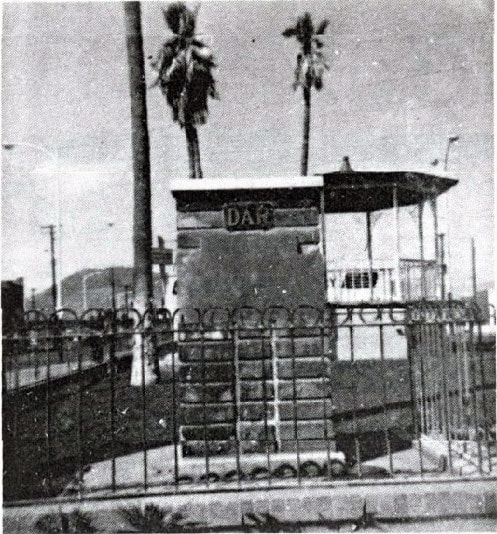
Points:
[(359, 279)]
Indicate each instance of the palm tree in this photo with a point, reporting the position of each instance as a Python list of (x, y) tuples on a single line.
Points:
[(309, 71), (141, 369), (184, 65)]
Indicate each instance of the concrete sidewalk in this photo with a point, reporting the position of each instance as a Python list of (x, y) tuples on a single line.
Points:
[(387, 501), (32, 376)]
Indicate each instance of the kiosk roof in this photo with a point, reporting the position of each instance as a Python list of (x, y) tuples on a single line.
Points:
[(238, 184), (358, 191), (344, 192)]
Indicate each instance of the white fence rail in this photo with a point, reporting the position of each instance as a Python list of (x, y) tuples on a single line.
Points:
[(384, 281)]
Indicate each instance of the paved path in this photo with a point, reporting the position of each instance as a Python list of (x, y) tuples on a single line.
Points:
[(325, 507), (130, 470), (31, 376)]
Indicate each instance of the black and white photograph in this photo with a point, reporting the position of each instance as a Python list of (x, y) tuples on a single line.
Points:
[(247, 256)]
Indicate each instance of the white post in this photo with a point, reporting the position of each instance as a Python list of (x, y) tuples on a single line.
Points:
[(323, 244), (447, 243), (369, 244), (59, 234), (85, 305), (421, 248), (434, 209), (397, 242), (438, 268)]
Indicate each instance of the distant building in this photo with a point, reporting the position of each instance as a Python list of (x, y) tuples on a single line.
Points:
[(485, 300), (12, 304)]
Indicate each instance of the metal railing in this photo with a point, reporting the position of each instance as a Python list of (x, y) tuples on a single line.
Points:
[(244, 398), (384, 282), (420, 279)]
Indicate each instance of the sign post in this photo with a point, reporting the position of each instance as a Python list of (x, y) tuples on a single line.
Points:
[(162, 256)]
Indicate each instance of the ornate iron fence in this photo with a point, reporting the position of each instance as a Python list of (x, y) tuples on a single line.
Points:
[(244, 398)]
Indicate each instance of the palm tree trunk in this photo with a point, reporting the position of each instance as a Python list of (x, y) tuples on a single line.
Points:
[(190, 145), (141, 369), (196, 153), (306, 128)]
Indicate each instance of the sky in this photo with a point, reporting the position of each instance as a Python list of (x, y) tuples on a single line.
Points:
[(404, 75)]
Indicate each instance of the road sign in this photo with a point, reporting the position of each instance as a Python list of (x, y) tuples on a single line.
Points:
[(248, 216), (162, 256)]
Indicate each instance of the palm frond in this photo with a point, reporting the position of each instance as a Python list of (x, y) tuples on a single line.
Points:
[(196, 9), (203, 54), (180, 20), (75, 521), (289, 32), (297, 80), (318, 42), (319, 58), (173, 14), (152, 518), (322, 27), (189, 23), (318, 81), (305, 27)]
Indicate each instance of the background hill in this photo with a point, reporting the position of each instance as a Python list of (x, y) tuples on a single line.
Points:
[(98, 289)]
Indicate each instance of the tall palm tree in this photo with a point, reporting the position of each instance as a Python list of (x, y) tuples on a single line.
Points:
[(309, 71), (141, 369), (184, 65)]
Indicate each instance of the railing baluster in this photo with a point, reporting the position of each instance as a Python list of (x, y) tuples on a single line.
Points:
[(423, 370), (236, 393), (445, 392), (356, 432), (351, 332), (80, 415), (112, 364), (204, 401), (265, 400), (48, 429), (176, 334), (16, 346), (324, 384), (413, 353), (483, 393), (294, 403), (384, 398), (474, 394)]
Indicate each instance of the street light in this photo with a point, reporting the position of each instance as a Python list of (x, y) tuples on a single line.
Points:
[(446, 275), (54, 156), (452, 139)]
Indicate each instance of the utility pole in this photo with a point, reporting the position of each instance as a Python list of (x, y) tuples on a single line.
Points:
[(51, 229), (473, 268), (443, 267), (113, 288), (33, 299), (450, 140)]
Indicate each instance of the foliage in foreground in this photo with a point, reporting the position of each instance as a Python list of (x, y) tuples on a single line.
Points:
[(265, 522), (153, 518), (73, 522)]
